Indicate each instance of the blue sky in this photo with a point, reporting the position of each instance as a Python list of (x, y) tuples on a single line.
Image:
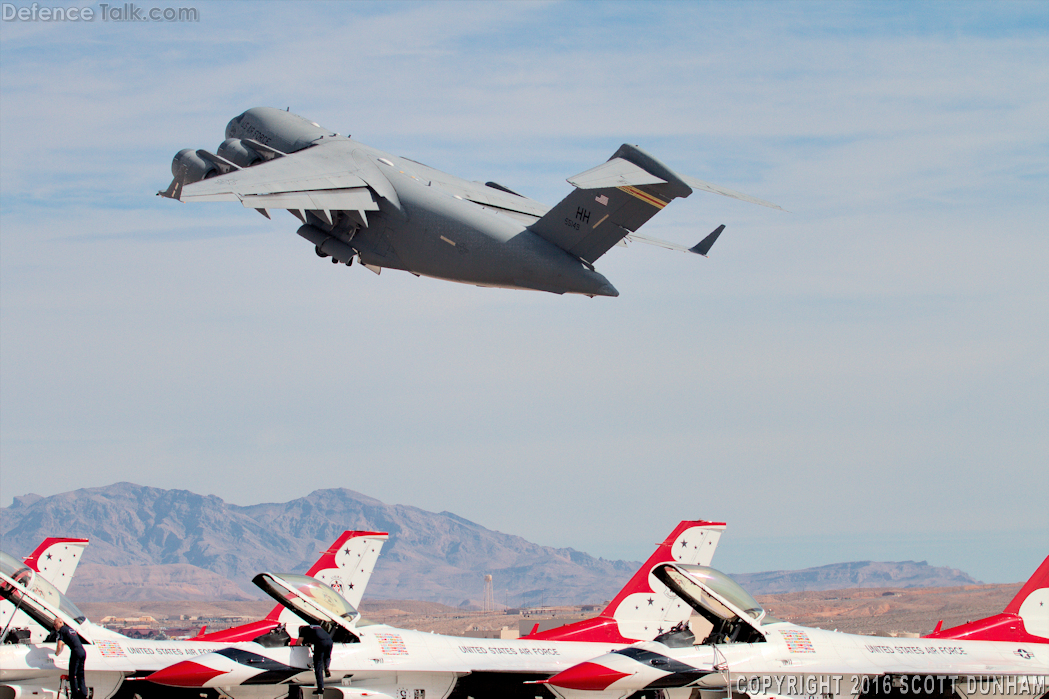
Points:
[(864, 377)]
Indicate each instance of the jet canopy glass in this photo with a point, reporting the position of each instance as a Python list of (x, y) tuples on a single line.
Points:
[(307, 596), (693, 579), (25, 577)]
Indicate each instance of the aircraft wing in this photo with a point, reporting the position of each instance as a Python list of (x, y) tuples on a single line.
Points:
[(333, 176)]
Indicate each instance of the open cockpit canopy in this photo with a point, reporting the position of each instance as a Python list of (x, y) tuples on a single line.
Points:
[(735, 616), (29, 592), (704, 580), (313, 601)]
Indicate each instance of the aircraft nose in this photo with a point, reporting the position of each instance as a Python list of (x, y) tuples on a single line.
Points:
[(185, 674), (587, 677)]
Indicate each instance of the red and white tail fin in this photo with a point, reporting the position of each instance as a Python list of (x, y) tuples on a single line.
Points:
[(1025, 619), (56, 559), (346, 566), (644, 608)]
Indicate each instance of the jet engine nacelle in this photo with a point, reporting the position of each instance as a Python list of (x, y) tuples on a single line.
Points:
[(277, 129), (237, 152), (196, 168)]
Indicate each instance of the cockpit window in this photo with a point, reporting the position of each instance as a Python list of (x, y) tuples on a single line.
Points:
[(706, 587), (318, 593), (45, 591), (698, 594), (13, 568), (727, 588)]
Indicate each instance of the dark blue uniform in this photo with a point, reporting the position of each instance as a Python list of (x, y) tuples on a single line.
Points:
[(77, 655), (317, 637)]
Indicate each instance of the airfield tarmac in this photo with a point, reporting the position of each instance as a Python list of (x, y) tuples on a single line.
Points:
[(876, 611)]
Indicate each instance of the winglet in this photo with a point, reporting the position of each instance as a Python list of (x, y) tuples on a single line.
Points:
[(703, 246), (939, 626), (174, 190)]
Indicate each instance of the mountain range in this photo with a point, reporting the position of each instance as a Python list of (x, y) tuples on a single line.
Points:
[(150, 543)]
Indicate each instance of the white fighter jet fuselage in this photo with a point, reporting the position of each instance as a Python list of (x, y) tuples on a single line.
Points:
[(739, 648), (389, 661)]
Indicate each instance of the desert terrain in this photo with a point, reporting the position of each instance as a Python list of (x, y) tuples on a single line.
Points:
[(880, 611)]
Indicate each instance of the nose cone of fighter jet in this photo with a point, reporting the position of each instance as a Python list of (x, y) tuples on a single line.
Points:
[(185, 674), (587, 677)]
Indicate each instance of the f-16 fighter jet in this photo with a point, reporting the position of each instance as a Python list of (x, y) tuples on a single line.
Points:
[(358, 202), (384, 662), (734, 646), (32, 669)]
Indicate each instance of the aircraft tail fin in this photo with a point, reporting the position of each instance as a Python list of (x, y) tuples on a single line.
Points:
[(1025, 619), (614, 199), (645, 607), (346, 566), (56, 559), (610, 201)]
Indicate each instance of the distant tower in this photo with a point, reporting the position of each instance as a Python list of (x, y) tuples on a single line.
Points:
[(489, 595)]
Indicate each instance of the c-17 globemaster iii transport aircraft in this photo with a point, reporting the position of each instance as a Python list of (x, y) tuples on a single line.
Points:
[(355, 201)]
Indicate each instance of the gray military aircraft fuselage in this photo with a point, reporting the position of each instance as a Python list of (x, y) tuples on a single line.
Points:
[(355, 201)]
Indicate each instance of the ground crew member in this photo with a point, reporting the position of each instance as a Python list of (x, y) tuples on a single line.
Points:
[(317, 637), (68, 637)]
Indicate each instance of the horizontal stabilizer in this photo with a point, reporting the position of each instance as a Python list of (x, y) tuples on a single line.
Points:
[(700, 248), (614, 173), (718, 189)]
